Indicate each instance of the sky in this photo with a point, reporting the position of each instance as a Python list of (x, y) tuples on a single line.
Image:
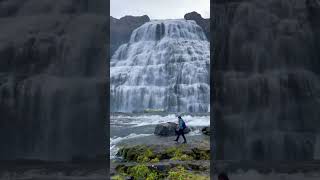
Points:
[(159, 9)]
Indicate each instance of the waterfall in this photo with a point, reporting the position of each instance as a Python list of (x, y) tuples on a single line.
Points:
[(165, 66)]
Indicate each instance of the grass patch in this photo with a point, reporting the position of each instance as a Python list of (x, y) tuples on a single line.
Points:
[(146, 156), (180, 173), (143, 172), (176, 153), (118, 177)]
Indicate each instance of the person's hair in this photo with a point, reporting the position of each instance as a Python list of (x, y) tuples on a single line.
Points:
[(223, 176), (179, 117)]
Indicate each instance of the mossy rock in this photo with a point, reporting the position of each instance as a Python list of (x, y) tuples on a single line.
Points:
[(179, 173), (145, 154), (136, 153), (200, 154)]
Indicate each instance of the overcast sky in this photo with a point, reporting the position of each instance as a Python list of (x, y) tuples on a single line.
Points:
[(159, 9)]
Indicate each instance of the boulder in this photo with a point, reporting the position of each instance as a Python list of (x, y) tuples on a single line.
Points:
[(206, 131), (168, 129)]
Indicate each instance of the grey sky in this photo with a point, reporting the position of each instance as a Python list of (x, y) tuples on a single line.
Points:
[(159, 9)]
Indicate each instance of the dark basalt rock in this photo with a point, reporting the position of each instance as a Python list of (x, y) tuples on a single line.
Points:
[(206, 131), (121, 29), (203, 23), (168, 129)]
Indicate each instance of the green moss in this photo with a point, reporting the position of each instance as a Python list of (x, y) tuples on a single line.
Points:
[(139, 171), (117, 177), (180, 173), (153, 176), (200, 154), (155, 160), (145, 156), (171, 151), (121, 169), (142, 172), (139, 153), (177, 154)]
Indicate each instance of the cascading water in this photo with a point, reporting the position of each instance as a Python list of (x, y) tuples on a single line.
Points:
[(165, 66)]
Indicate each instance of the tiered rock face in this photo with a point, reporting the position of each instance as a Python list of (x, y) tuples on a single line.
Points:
[(121, 29), (53, 97), (265, 85), (203, 23)]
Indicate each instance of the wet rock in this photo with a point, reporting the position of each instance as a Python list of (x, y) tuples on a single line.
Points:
[(165, 166), (121, 29), (168, 129), (197, 151), (206, 131), (203, 23)]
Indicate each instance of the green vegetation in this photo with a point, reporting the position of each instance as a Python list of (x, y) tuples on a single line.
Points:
[(176, 153), (155, 160), (117, 177), (145, 156), (143, 172), (180, 173)]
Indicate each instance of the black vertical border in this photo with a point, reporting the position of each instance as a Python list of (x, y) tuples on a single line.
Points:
[(107, 119), (212, 92)]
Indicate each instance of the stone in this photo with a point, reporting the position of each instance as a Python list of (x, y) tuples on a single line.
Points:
[(206, 131), (121, 29), (168, 129)]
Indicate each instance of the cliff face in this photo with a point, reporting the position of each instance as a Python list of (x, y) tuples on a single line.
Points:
[(121, 29), (53, 86), (265, 85), (203, 23)]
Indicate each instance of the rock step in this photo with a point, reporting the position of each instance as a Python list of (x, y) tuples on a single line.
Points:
[(165, 166), (198, 151)]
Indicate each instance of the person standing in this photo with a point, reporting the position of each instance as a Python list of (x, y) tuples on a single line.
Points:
[(180, 130)]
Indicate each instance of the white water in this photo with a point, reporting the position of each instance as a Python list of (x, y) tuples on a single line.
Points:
[(116, 140), (164, 66), (143, 120)]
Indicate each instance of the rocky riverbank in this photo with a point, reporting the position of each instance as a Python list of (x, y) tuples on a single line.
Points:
[(168, 160)]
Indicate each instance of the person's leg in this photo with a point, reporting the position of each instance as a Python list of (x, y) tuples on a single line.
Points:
[(184, 138), (178, 135)]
